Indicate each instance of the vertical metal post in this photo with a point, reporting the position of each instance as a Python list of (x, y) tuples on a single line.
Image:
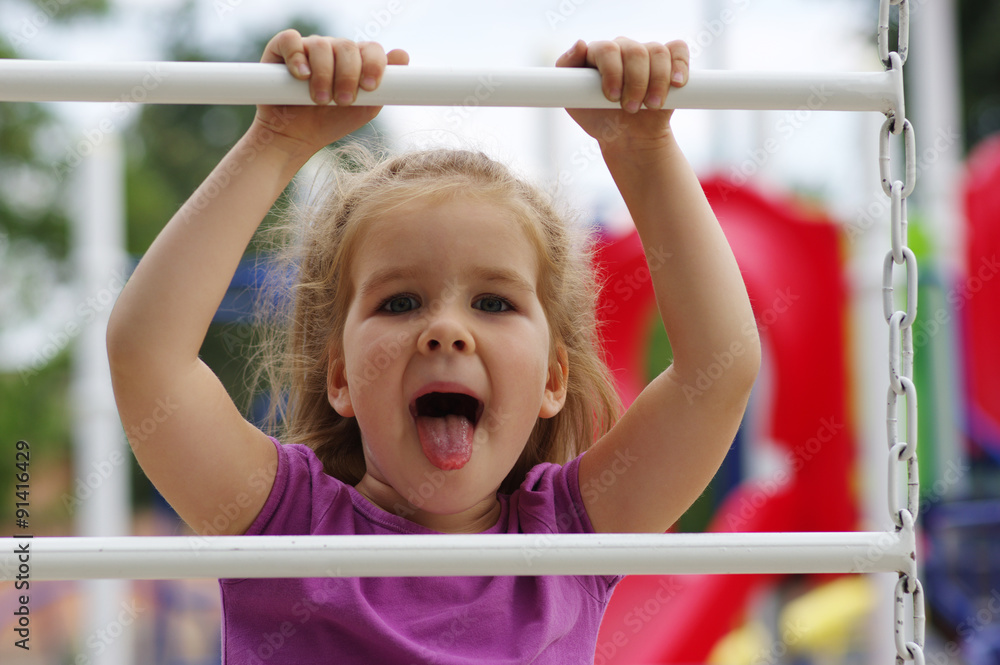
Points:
[(936, 94), (102, 463)]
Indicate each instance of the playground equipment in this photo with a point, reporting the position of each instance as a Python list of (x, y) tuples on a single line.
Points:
[(765, 553)]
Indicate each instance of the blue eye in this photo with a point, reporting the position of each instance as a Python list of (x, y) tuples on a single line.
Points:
[(399, 304), (493, 304)]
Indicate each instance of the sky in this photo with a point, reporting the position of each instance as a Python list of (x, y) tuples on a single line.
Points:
[(830, 156)]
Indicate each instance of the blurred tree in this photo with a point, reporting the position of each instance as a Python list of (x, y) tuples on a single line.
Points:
[(979, 25), (169, 151), (34, 245)]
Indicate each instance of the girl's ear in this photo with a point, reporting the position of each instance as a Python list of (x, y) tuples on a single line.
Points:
[(338, 393), (555, 387)]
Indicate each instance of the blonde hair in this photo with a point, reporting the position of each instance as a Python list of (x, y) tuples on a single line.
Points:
[(355, 185)]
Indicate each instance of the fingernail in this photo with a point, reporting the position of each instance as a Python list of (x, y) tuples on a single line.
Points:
[(368, 83), (322, 97), (616, 94), (632, 106), (678, 77), (654, 102), (304, 69), (345, 98)]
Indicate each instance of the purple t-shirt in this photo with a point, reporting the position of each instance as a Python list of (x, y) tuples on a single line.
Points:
[(411, 620)]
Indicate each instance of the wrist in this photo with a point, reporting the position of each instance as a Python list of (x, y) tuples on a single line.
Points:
[(264, 140), (639, 150)]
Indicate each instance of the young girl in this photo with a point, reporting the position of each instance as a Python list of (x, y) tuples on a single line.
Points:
[(446, 373)]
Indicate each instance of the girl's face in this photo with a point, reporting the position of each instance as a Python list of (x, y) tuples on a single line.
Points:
[(446, 358)]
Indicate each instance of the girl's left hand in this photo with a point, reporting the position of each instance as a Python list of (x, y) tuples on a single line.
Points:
[(636, 75)]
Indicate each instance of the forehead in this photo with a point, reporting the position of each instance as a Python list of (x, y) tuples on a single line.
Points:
[(459, 233)]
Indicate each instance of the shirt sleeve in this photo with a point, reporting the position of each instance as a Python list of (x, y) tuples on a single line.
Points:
[(301, 488), (549, 501)]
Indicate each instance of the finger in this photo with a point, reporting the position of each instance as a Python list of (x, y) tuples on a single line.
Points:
[(347, 71), (659, 75), (287, 47), (576, 56), (635, 68), (321, 63), (373, 62), (398, 57), (607, 58), (680, 57)]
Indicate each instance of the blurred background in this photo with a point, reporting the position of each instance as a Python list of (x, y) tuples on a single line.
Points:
[(84, 189)]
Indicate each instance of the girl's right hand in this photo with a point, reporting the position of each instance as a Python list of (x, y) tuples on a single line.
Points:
[(336, 69)]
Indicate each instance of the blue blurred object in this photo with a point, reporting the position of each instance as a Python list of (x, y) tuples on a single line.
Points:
[(962, 574)]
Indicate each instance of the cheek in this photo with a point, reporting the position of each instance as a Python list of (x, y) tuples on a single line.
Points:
[(374, 353)]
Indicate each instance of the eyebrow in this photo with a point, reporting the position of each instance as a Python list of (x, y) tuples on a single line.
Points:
[(506, 276), (511, 278), (379, 279)]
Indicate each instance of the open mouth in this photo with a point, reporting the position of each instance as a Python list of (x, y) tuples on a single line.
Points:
[(446, 424), (440, 405)]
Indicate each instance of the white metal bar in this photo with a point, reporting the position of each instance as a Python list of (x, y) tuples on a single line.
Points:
[(254, 83), (454, 555)]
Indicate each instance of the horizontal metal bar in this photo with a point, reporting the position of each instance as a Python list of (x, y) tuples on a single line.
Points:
[(254, 83), (454, 555)]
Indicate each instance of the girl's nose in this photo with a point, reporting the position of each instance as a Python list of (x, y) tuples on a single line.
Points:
[(445, 332)]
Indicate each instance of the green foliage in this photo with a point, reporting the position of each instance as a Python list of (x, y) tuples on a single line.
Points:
[(70, 10), (979, 25), (34, 407), (29, 190)]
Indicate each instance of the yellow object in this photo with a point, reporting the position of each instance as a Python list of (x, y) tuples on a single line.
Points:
[(824, 620), (827, 618), (741, 646)]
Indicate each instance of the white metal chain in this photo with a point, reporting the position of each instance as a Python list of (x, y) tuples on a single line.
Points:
[(901, 341)]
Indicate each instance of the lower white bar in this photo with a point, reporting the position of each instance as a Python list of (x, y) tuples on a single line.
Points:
[(453, 555), (255, 83)]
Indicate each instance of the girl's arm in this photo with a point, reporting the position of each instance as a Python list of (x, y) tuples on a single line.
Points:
[(214, 467), (668, 445)]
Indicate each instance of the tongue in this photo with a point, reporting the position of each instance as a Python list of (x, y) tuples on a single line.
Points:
[(447, 441)]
